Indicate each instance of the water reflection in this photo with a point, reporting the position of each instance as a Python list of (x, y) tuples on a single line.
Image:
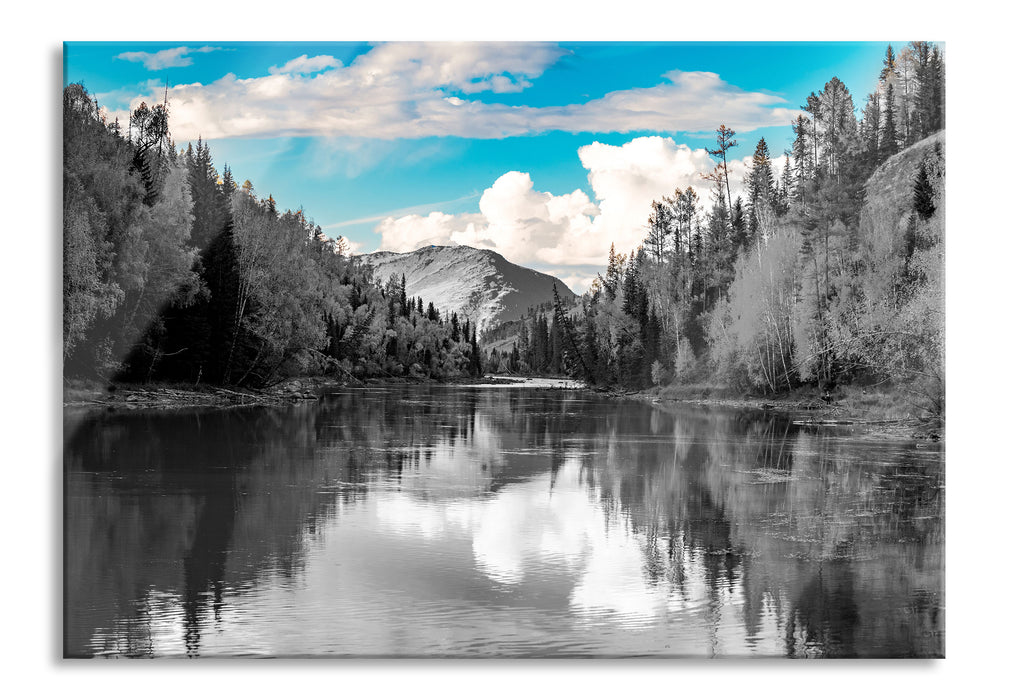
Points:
[(441, 521)]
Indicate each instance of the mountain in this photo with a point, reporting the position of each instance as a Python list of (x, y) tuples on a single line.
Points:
[(480, 285)]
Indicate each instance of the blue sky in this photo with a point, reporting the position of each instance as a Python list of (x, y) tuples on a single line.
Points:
[(544, 152)]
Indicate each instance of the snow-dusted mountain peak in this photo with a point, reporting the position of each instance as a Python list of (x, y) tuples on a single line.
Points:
[(475, 283)]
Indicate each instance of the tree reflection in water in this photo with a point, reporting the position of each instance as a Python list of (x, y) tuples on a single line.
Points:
[(449, 521)]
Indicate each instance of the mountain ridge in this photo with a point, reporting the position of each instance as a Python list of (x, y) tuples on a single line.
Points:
[(475, 283)]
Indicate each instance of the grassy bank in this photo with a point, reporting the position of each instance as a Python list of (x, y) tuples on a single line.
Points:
[(79, 393), (883, 411)]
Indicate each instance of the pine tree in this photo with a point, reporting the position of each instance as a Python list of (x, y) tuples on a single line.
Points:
[(802, 155), (513, 359), (635, 305), (150, 140), (573, 361), (889, 65), (888, 139), (208, 214), (631, 287), (785, 189), (938, 100), (228, 184), (924, 194), (684, 210), (542, 343), (475, 363), (812, 107), (739, 225), (922, 119), (723, 137), (760, 184), (614, 273), (522, 348), (659, 224), (556, 345), (403, 309), (871, 129), (221, 265), (930, 95), (837, 113)]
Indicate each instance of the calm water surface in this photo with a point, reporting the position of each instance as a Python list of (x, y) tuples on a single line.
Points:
[(433, 521)]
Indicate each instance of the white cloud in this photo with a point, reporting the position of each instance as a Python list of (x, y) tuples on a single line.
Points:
[(561, 234), (353, 247), (402, 90), (468, 67), (396, 213), (166, 58), (415, 231), (549, 523), (577, 280), (517, 221), (626, 179), (304, 64)]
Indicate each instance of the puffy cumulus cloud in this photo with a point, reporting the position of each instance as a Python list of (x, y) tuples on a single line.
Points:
[(166, 58), (404, 90), (304, 64), (528, 226), (569, 235), (521, 223), (415, 231), (577, 278), (626, 179)]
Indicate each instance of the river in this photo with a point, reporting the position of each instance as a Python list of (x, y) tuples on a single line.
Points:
[(496, 521)]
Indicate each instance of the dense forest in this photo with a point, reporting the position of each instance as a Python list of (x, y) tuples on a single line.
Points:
[(830, 273), (174, 272)]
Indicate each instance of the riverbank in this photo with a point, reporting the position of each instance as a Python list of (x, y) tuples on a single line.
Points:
[(145, 396), (880, 413), (885, 413), (80, 393), (118, 396)]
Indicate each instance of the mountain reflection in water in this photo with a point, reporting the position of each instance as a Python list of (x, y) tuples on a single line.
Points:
[(419, 521)]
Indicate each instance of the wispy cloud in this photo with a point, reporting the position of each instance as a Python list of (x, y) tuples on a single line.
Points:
[(405, 211), (166, 58), (413, 91), (304, 64)]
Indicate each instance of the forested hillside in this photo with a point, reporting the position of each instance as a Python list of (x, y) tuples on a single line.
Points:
[(174, 272), (828, 273)]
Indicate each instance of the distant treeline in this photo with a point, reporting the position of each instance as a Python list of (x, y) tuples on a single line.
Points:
[(174, 272), (536, 345), (831, 273)]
